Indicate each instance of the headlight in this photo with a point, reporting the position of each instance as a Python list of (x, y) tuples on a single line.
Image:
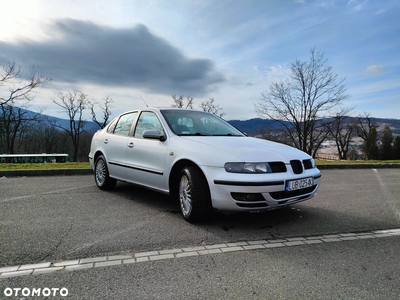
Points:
[(240, 167), (313, 163)]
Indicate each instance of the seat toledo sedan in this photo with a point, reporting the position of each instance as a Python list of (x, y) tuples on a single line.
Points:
[(203, 161)]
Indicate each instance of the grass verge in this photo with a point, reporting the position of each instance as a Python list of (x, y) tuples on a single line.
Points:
[(355, 162), (44, 166), (320, 162)]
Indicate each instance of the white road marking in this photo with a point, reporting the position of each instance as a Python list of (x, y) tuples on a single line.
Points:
[(387, 194), (68, 189), (45, 193), (149, 256), (16, 198)]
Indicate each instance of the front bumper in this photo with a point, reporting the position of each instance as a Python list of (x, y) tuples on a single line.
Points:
[(252, 192), (91, 162)]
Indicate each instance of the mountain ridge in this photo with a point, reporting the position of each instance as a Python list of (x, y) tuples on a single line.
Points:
[(254, 126), (251, 127)]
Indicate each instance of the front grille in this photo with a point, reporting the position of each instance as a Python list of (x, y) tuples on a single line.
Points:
[(277, 167), (259, 205), (307, 164), (284, 195), (297, 166), (294, 200)]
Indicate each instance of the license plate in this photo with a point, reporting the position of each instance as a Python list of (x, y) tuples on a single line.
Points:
[(298, 184)]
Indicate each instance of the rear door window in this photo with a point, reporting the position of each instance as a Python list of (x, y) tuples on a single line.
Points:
[(124, 124)]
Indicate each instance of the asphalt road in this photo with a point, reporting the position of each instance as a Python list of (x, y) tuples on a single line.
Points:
[(52, 219)]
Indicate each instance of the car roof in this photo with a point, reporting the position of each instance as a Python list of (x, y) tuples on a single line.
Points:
[(159, 109)]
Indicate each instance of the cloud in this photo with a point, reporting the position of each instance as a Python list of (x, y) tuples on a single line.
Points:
[(374, 69), (80, 52), (356, 6)]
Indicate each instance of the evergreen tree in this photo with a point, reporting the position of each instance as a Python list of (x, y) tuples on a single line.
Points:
[(385, 149), (370, 146), (396, 148)]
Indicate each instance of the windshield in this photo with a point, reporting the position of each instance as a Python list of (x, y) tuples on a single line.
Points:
[(191, 122)]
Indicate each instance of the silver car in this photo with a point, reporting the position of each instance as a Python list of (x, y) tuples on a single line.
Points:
[(202, 160)]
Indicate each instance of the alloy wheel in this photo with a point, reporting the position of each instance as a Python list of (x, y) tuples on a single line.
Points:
[(185, 195)]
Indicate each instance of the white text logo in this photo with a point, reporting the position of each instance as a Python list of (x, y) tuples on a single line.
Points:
[(40, 292)]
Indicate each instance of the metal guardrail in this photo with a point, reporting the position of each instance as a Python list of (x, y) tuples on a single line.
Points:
[(327, 156)]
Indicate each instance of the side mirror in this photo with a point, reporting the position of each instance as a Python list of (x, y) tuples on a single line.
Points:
[(154, 134)]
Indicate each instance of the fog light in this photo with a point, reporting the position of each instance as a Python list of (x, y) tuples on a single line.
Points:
[(251, 197)]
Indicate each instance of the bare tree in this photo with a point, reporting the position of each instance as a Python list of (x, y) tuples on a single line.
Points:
[(14, 122), (342, 131), (299, 104), (106, 111), (19, 88), (366, 129), (47, 136), (11, 119), (212, 107), (179, 101), (73, 103), (16, 88)]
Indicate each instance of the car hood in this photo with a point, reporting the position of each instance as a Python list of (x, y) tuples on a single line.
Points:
[(248, 149)]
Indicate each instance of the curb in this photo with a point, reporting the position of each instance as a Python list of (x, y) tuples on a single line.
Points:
[(55, 172), (178, 253)]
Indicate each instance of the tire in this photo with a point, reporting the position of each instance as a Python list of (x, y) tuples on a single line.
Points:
[(194, 195), (101, 175)]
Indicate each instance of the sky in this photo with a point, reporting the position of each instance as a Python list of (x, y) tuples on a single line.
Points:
[(228, 50)]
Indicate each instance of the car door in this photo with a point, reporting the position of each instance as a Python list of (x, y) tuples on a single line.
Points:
[(116, 145), (146, 157)]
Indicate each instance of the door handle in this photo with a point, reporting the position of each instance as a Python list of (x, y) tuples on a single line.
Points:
[(106, 141), (130, 145)]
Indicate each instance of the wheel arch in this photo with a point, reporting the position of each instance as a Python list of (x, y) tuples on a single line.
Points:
[(175, 173), (101, 174), (97, 154)]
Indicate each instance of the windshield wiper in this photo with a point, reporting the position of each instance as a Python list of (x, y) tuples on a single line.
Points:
[(226, 134), (205, 134), (194, 134)]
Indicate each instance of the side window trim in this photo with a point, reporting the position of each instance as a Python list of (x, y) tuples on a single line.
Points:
[(111, 126), (135, 128), (129, 133)]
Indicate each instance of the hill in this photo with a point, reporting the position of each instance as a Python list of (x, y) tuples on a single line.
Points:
[(254, 126), (251, 127), (89, 125)]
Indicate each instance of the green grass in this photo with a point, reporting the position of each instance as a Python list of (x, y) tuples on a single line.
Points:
[(354, 162), (85, 165), (44, 166)]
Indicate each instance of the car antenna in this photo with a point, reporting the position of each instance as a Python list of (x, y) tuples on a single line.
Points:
[(143, 100)]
